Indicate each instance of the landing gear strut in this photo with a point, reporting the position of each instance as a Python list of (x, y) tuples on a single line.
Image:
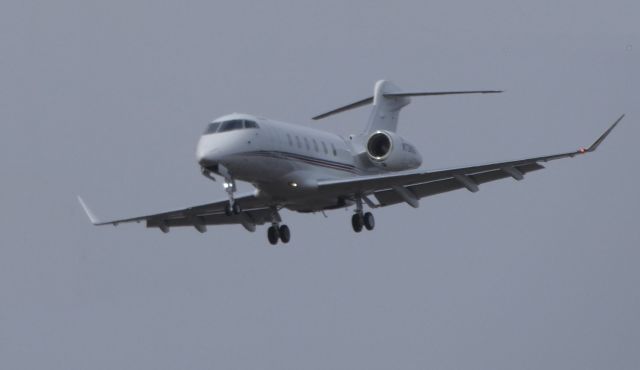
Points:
[(232, 208), (229, 185), (360, 219)]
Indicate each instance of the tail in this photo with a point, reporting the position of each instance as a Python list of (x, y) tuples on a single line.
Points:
[(386, 107), (387, 101)]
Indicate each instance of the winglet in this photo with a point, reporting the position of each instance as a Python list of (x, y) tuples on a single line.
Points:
[(94, 220), (595, 145)]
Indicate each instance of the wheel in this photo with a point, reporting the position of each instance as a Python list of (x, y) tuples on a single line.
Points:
[(228, 210), (236, 208), (272, 235), (285, 234), (357, 222), (369, 221)]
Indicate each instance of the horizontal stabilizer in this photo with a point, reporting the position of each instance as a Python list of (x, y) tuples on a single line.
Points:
[(433, 93), (369, 100), (345, 108)]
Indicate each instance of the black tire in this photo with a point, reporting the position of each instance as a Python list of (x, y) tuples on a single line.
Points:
[(272, 235), (227, 209), (285, 234), (236, 208), (357, 222), (369, 221)]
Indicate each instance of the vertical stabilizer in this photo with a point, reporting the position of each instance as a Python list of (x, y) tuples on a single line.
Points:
[(385, 109)]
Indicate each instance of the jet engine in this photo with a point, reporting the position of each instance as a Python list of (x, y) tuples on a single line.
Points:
[(390, 151)]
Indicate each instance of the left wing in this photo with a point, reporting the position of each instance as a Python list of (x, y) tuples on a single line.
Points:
[(255, 211), (410, 186)]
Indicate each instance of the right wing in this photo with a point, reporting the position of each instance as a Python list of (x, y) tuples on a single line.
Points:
[(410, 186), (255, 211)]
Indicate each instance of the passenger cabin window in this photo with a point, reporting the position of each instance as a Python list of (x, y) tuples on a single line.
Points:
[(324, 147), (298, 142), (315, 146), (333, 148), (306, 143), (290, 140)]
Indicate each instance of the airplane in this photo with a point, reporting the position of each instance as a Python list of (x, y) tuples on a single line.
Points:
[(307, 170)]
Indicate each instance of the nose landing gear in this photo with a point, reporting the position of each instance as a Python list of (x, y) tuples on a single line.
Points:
[(229, 185), (232, 208)]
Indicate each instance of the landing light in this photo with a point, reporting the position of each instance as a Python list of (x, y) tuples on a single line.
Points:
[(293, 184)]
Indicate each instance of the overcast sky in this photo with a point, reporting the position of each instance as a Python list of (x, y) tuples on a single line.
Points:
[(107, 100)]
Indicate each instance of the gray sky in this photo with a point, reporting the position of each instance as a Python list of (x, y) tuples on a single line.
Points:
[(107, 100)]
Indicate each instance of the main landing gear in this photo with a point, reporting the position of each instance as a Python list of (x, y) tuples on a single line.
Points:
[(277, 232), (360, 219)]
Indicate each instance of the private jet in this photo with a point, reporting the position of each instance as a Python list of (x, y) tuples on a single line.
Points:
[(307, 170)]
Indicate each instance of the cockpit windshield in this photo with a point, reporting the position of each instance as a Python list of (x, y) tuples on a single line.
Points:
[(234, 124), (212, 128)]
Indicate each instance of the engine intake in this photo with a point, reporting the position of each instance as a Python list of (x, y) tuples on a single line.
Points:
[(391, 152), (379, 146)]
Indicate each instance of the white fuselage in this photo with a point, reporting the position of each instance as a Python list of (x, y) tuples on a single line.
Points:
[(285, 161)]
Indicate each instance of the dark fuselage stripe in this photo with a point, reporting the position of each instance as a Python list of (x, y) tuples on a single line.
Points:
[(306, 159)]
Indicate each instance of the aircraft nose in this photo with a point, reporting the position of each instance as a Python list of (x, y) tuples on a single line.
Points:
[(206, 154), (207, 158)]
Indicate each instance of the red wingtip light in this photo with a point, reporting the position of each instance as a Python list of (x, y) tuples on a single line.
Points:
[(582, 150)]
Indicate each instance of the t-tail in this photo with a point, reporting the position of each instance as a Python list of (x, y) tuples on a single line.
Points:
[(386, 103), (386, 107)]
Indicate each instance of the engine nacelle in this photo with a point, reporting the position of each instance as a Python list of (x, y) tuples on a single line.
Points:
[(392, 152)]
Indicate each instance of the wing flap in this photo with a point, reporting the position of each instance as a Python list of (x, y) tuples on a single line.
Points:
[(366, 184), (256, 217), (389, 197), (255, 212)]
